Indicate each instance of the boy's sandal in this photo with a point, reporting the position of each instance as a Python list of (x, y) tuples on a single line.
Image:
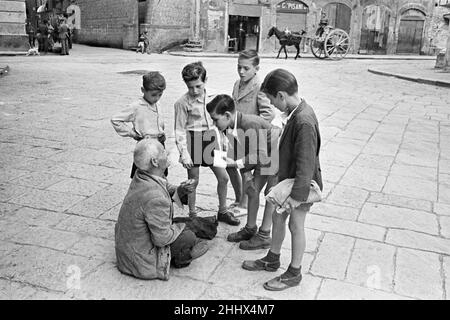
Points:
[(281, 283)]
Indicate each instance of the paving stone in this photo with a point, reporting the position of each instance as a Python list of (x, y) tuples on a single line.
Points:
[(83, 155), (93, 247), (334, 248), (11, 174), (372, 265), (42, 152), (416, 240), (333, 173), (108, 283), (418, 172), (78, 186), (113, 213), (402, 218), (44, 267), (120, 161), (332, 210), (45, 237), (418, 274), (348, 196), (350, 228), (225, 293), (444, 166), (40, 180), (444, 222), (100, 202), (11, 191), (47, 200), (416, 158), (7, 247), (374, 161), (9, 229), (380, 149), (47, 295), (15, 291), (84, 171), (441, 209), (446, 267), (339, 290), (7, 209), (364, 178), (399, 201), (444, 192), (94, 227), (202, 268), (411, 187), (35, 217)]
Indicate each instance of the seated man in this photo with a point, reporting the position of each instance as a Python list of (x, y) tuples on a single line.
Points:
[(146, 239)]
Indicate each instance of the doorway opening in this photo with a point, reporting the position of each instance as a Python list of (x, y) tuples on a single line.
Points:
[(375, 30), (243, 33), (410, 32)]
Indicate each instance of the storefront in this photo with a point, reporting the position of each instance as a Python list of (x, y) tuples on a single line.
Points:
[(244, 27)]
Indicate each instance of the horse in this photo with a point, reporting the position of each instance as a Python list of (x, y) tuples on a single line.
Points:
[(294, 39)]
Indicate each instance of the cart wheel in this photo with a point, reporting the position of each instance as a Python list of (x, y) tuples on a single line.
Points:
[(337, 44), (317, 49)]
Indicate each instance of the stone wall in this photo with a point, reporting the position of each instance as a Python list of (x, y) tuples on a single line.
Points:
[(167, 22), (13, 36), (112, 23)]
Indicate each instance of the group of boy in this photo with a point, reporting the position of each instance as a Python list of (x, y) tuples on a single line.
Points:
[(211, 131)]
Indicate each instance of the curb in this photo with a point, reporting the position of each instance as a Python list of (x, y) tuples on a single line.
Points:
[(439, 83), (12, 53), (303, 56)]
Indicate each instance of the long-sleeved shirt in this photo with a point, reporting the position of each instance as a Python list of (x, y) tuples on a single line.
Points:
[(139, 118), (190, 115), (249, 99)]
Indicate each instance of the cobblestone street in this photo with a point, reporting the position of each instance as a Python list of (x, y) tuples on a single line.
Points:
[(382, 232)]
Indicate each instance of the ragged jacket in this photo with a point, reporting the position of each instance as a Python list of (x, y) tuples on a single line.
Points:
[(299, 152), (144, 229)]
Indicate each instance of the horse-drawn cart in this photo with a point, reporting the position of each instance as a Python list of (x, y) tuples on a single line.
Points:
[(331, 43), (327, 42)]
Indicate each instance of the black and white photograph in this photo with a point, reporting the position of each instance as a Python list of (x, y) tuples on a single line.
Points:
[(224, 155)]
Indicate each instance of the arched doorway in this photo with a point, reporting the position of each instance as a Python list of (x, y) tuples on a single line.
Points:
[(339, 15), (375, 29), (410, 32)]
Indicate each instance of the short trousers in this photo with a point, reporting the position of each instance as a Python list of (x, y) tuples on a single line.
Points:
[(201, 146)]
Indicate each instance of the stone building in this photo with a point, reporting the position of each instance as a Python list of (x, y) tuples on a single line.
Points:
[(13, 36), (374, 26)]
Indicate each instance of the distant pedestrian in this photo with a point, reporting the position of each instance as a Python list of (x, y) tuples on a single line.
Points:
[(31, 34), (143, 118), (63, 35), (43, 34)]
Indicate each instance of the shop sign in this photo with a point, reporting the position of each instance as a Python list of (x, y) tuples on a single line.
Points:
[(292, 6)]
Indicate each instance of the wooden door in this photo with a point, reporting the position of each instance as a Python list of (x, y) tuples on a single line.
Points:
[(339, 16), (410, 36)]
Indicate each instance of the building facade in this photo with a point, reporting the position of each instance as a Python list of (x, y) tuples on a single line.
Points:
[(374, 26), (13, 36)]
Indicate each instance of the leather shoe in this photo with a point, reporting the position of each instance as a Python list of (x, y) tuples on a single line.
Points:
[(229, 218), (261, 265)]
